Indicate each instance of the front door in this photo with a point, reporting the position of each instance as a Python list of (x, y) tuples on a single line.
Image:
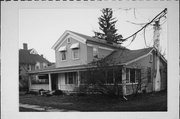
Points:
[(54, 81)]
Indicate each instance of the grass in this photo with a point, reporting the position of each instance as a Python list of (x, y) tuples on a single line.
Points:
[(143, 102)]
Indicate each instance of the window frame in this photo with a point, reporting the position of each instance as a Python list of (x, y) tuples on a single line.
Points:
[(69, 40), (110, 81), (149, 75), (73, 51), (95, 53), (129, 74), (150, 58), (64, 55), (73, 76)]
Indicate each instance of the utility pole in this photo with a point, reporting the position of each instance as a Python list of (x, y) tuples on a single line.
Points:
[(156, 38)]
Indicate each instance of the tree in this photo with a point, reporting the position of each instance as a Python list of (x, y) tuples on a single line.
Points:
[(107, 26)]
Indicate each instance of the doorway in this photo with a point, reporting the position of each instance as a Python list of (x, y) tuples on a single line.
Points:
[(54, 81)]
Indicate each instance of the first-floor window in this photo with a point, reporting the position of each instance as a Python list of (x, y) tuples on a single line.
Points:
[(127, 75), (138, 75), (133, 75), (83, 77), (63, 55), (71, 78), (110, 77), (149, 74), (95, 52), (40, 79), (118, 76)]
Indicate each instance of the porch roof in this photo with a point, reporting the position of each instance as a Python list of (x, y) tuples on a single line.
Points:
[(53, 69)]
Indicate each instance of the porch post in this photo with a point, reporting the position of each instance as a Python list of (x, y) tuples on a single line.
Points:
[(78, 78), (29, 81), (50, 86), (124, 80)]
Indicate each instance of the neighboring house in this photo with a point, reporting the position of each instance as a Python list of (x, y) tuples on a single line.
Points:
[(29, 60), (74, 52)]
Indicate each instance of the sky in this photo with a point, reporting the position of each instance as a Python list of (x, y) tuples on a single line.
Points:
[(41, 28)]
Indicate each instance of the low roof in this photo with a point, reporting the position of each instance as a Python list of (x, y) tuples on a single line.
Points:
[(124, 56), (26, 58)]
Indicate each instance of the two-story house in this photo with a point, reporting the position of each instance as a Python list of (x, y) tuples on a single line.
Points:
[(29, 60), (74, 51)]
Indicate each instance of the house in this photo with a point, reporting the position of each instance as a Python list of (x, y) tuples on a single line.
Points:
[(29, 60), (74, 52)]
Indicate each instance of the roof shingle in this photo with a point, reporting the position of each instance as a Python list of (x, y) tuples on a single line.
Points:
[(125, 56), (97, 40), (26, 58)]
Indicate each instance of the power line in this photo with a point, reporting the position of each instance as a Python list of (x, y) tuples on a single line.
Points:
[(160, 15)]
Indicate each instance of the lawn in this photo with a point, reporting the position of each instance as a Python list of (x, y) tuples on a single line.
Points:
[(143, 102)]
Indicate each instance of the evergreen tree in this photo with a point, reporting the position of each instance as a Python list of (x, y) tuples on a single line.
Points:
[(107, 26)]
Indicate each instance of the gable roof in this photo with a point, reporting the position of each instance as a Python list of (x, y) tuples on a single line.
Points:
[(127, 56), (87, 39), (25, 57)]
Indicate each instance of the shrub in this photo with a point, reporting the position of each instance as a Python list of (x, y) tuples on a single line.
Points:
[(58, 92)]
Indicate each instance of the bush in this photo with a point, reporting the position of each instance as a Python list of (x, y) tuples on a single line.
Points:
[(33, 92), (81, 94), (58, 92)]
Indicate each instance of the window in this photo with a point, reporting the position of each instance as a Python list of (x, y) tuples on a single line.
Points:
[(68, 40), (75, 53), (40, 79), (70, 81), (110, 77), (95, 52), (127, 75), (71, 78), (118, 75), (63, 55), (83, 77), (149, 74), (29, 67), (150, 58), (37, 66), (133, 75), (138, 75), (44, 65)]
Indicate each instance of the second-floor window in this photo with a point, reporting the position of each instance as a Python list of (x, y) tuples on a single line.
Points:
[(29, 67), (37, 66), (63, 55), (75, 53), (75, 50)]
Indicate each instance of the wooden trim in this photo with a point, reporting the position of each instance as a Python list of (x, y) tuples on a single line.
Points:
[(72, 35)]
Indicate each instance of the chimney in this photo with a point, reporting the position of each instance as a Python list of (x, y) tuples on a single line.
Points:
[(42, 55), (25, 46)]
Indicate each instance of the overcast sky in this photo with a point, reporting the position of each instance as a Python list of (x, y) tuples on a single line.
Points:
[(41, 28)]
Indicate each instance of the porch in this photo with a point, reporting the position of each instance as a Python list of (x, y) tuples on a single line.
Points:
[(74, 80)]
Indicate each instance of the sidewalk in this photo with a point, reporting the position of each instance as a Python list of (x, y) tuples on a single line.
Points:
[(46, 109)]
